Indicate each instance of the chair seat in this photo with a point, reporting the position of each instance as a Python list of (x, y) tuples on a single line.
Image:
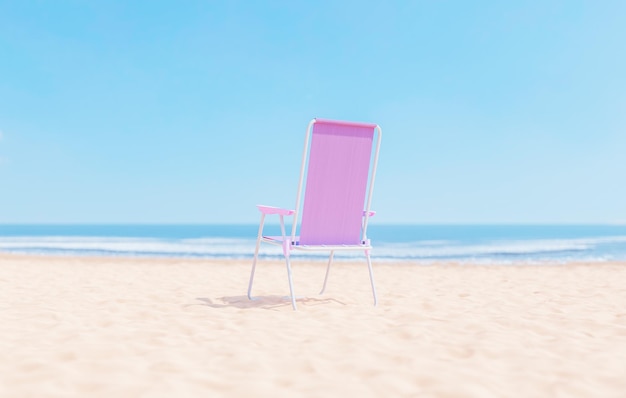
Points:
[(278, 240)]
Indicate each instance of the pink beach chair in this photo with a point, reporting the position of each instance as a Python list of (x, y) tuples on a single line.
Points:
[(338, 194)]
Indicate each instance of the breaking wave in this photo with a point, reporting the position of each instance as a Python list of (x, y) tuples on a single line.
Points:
[(584, 249)]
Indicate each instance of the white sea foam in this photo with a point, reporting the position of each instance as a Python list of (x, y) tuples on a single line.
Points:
[(244, 248), (495, 248), (137, 246)]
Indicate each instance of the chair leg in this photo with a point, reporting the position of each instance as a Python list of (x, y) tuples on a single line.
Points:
[(256, 256), (330, 260), (369, 266), (293, 295)]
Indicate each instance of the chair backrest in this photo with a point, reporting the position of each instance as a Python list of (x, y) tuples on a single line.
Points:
[(336, 183)]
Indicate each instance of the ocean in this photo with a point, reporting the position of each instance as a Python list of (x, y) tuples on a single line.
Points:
[(420, 243)]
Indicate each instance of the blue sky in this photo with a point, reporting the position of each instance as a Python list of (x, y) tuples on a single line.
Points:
[(195, 111)]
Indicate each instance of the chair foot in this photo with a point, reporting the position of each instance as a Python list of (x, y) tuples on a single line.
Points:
[(293, 295), (369, 267), (330, 260)]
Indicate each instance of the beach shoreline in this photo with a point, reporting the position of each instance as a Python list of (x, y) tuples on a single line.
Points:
[(130, 326)]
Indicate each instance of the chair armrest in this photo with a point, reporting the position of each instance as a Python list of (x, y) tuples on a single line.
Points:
[(274, 210), (371, 213)]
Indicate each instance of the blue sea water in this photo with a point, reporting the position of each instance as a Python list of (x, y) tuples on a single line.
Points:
[(422, 243)]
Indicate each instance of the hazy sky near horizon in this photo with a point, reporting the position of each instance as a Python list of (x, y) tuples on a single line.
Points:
[(195, 111)]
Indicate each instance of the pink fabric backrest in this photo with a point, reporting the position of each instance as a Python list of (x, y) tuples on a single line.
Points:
[(336, 184)]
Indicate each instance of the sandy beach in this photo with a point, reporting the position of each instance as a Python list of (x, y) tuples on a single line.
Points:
[(129, 327)]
